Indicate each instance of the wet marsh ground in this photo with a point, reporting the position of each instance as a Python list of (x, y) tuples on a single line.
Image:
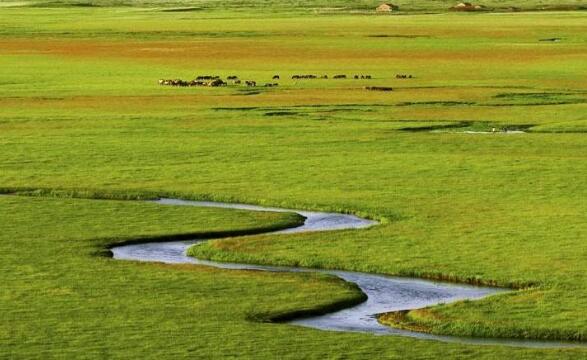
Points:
[(81, 111)]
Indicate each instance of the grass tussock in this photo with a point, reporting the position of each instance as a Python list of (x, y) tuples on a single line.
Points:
[(429, 321)]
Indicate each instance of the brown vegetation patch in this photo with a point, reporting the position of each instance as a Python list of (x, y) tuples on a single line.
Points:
[(211, 52), (401, 320)]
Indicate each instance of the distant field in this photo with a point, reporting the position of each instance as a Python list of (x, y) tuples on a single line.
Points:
[(302, 6), (81, 111)]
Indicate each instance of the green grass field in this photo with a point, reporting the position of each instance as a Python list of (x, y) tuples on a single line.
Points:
[(82, 116), (322, 7)]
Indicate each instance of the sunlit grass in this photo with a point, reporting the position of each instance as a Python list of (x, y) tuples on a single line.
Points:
[(81, 111)]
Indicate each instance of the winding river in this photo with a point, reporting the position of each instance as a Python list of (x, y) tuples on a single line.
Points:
[(385, 293)]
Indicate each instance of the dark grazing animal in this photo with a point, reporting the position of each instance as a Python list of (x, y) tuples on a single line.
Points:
[(197, 83), (179, 82), (207, 77), (275, 77), (216, 83), (295, 77)]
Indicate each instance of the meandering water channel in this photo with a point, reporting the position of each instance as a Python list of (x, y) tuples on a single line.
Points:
[(385, 293)]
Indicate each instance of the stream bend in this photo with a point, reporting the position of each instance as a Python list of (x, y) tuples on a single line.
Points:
[(385, 293)]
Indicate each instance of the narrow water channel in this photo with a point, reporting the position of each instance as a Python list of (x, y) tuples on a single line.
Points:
[(385, 293)]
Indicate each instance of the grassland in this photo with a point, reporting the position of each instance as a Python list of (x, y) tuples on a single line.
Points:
[(61, 298), (81, 111), (321, 7)]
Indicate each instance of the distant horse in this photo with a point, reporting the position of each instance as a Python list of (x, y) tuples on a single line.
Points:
[(216, 83)]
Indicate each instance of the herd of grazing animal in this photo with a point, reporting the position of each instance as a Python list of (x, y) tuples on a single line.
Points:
[(298, 77), (216, 81), (213, 82)]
